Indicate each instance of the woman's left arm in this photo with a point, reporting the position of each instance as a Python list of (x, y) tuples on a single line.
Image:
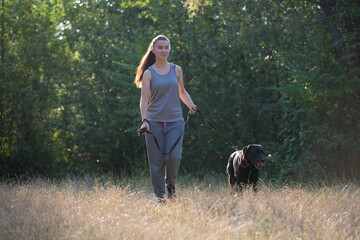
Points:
[(184, 96)]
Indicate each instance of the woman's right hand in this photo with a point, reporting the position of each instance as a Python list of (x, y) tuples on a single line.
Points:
[(146, 125)]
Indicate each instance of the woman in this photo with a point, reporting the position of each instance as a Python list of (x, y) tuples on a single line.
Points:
[(162, 87)]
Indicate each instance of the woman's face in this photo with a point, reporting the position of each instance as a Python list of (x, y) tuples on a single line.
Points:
[(161, 49)]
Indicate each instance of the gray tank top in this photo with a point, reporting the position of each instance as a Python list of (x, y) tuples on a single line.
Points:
[(164, 103)]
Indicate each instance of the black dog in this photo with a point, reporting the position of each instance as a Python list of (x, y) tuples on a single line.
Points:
[(243, 166)]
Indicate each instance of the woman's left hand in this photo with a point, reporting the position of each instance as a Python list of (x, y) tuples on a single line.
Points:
[(193, 109)]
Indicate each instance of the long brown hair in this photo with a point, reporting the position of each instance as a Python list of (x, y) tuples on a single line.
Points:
[(147, 60)]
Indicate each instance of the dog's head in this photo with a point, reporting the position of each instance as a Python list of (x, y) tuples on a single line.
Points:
[(254, 155)]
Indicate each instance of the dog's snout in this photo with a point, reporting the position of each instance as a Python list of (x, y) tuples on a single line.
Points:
[(261, 162)]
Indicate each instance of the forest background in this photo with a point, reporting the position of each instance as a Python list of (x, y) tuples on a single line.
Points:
[(281, 73)]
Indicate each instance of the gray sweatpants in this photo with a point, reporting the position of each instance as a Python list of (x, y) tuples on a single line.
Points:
[(164, 167)]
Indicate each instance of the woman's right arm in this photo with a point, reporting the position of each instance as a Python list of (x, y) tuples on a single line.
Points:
[(145, 94)]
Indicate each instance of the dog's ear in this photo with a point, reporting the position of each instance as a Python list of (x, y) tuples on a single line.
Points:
[(244, 150)]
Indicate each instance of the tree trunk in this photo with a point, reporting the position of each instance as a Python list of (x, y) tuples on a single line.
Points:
[(334, 32), (2, 73)]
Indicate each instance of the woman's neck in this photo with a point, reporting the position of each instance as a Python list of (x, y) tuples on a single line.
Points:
[(161, 64)]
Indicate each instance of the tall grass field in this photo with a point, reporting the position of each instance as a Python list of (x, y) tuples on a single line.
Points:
[(107, 208)]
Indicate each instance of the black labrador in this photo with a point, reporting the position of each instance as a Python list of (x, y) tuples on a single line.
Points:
[(243, 166)]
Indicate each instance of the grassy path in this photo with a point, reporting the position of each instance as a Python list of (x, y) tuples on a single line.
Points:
[(94, 209)]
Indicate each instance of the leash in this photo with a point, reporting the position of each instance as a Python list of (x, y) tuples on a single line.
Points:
[(144, 130), (227, 141)]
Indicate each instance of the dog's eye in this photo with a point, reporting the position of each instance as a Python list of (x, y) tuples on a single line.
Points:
[(258, 151)]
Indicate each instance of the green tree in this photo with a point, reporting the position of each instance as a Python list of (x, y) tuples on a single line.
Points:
[(281, 73)]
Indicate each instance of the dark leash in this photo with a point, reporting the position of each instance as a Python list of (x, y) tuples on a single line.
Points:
[(144, 130), (227, 141)]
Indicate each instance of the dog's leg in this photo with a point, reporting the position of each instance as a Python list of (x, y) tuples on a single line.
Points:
[(232, 181), (254, 178), (255, 187), (240, 185)]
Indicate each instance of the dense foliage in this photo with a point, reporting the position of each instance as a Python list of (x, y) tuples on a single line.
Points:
[(281, 73)]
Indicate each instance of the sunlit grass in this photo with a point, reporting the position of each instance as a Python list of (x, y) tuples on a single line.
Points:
[(107, 208)]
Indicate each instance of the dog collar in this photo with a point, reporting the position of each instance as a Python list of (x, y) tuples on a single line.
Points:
[(241, 164)]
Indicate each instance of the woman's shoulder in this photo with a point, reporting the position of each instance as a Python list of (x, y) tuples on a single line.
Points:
[(177, 67), (147, 73)]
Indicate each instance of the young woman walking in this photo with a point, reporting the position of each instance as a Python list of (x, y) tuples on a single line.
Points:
[(162, 88)]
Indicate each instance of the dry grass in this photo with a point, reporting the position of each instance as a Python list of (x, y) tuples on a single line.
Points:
[(88, 209)]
